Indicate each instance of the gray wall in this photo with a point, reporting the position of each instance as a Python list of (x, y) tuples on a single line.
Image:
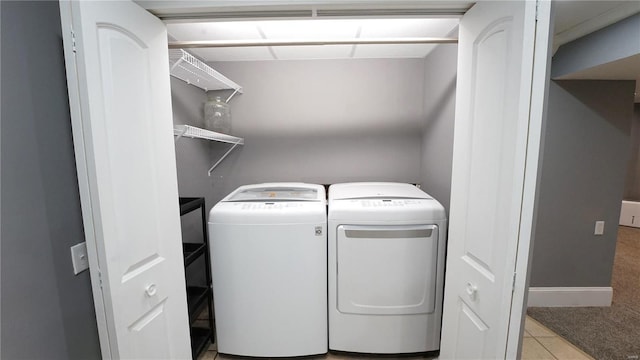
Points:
[(193, 159), (47, 312), (632, 183), (584, 163), (437, 137), (323, 121), (614, 42), (193, 156)]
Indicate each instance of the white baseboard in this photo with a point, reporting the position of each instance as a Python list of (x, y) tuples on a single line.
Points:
[(569, 296)]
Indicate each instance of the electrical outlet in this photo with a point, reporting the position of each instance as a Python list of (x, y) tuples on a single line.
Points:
[(79, 258), (599, 228)]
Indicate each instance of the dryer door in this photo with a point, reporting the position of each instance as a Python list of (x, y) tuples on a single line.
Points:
[(387, 270)]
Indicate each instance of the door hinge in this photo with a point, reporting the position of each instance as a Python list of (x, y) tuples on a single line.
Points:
[(513, 284), (100, 279), (537, 9), (73, 41)]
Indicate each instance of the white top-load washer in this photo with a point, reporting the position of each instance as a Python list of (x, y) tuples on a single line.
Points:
[(269, 268), (386, 262)]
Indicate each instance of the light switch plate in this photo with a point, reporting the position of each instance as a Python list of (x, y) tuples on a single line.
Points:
[(599, 228), (79, 258)]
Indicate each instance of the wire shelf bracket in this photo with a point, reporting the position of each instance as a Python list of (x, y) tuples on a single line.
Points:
[(222, 158)]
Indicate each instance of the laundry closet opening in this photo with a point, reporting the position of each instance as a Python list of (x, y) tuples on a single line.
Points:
[(314, 120), (376, 104)]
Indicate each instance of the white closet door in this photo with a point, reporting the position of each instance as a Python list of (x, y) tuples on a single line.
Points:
[(118, 78), (498, 119)]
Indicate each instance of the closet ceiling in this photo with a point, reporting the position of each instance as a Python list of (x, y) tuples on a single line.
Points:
[(197, 20), (314, 29), (188, 21)]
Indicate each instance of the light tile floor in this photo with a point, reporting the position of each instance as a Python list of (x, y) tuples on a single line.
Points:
[(539, 343)]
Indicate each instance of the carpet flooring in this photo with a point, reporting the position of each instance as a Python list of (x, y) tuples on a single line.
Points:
[(606, 332)]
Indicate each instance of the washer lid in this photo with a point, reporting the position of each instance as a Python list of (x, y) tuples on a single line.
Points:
[(372, 190), (277, 192)]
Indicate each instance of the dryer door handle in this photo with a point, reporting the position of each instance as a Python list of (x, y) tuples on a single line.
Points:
[(388, 233)]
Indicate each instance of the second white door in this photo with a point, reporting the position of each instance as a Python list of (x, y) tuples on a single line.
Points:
[(493, 133)]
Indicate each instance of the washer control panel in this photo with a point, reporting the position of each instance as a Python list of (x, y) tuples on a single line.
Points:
[(268, 205)]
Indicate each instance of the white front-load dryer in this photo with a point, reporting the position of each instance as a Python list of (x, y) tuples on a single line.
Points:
[(386, 261), (269, 270)]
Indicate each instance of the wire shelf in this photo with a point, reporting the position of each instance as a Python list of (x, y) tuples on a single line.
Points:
[(198, 133), (191, 70)]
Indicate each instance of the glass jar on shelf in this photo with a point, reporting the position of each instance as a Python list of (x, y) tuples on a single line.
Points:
[(217, 115)]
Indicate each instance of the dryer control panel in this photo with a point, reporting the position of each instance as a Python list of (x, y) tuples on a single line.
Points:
[(389, 209), (389, 202)]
